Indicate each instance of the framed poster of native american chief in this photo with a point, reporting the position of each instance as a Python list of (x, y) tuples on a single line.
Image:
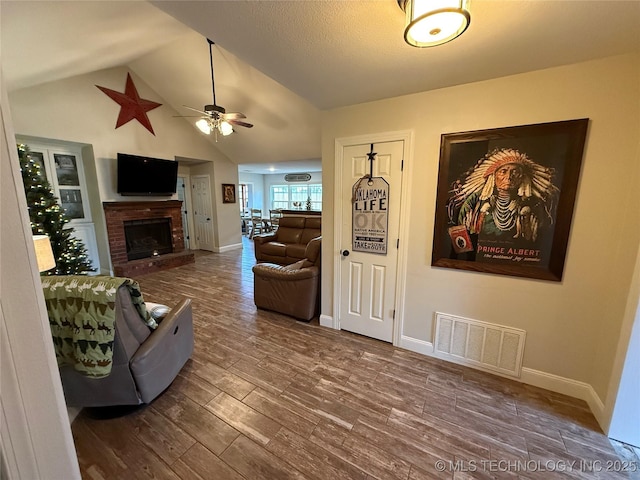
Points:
[(505, 198)]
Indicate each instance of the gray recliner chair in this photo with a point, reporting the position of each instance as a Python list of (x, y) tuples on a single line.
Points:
[(144, 361)]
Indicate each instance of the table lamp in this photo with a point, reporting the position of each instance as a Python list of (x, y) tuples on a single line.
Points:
[(44, 253)]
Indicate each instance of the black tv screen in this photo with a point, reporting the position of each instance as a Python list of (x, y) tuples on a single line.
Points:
[(146, 176)]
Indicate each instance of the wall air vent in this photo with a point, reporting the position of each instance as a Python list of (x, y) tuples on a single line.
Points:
[(297, 177), (482, 345)]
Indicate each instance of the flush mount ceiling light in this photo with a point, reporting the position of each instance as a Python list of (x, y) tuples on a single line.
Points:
[(434, 22)]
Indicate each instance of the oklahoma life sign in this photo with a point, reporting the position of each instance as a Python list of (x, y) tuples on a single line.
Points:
[(370, 216)]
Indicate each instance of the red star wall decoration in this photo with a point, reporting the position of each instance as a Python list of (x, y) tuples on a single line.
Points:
[(131, 105)]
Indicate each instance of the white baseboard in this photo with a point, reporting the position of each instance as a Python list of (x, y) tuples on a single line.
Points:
[(416, 345), (326, 321), (226, 248), (566, 386)]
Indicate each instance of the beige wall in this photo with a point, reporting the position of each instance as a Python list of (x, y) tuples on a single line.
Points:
[(227, 231), (226, 213), (35, 431), (572, 326), (74, 110)]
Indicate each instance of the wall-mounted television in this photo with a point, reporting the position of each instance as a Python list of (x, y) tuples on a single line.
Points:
[(146, 176)]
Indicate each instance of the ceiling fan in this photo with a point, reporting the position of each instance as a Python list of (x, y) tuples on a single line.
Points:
[(214, 117)]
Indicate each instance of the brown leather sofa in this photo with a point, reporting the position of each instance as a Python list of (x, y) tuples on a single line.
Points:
[(290, 289), (288, 243)]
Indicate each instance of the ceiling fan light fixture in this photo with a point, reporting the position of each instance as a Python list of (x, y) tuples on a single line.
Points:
[(208, 125), (215, 118), (225, 128), (204, 126), (434, 22)]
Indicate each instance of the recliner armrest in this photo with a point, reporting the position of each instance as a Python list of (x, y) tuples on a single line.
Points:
[(279, 272), (313, 250), (175, 318), (159, 359), (264, 238)]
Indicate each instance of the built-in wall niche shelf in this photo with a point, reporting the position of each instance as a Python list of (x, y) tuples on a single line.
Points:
[(61, 165)]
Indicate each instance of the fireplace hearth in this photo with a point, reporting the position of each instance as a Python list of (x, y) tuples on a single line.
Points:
[(145, 236)]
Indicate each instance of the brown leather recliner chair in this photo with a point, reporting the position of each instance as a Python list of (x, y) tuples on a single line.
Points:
[(291, 289)]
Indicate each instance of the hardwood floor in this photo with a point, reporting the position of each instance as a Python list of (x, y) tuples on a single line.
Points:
[(268, 397)]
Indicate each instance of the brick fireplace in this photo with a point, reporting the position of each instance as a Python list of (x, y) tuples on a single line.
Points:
[(159, 237)]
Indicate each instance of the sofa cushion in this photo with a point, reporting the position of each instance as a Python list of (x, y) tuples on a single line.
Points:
[(274, 248), (292, 222), (296, 250), (315, 223), (157, 311), (309, 234), (294, 266), (289, 235)]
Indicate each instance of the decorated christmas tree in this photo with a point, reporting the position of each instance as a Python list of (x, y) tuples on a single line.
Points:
[(48, 218)]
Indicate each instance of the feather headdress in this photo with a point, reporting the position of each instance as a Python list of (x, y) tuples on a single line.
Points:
[(536, 179)]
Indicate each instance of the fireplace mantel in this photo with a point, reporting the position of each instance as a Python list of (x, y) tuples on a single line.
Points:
[(148, 205), (116, 213)]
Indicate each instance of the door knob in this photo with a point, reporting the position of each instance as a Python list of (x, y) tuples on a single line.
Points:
[(345, 253), (208, 219)]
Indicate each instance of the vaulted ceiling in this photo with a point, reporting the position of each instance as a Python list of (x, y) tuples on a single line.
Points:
[(283, 62)]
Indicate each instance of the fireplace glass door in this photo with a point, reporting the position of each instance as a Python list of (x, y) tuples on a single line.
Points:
[(148, 237)]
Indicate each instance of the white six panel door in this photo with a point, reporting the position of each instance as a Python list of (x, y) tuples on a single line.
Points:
[(368, 280), (202, 212)]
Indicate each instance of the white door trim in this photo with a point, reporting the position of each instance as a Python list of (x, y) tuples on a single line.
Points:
[(189, 206), (340, 144)]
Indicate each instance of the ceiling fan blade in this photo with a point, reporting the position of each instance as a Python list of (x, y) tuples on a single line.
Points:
[(199, 111), (239, 123), (186, 116), (232, 116)]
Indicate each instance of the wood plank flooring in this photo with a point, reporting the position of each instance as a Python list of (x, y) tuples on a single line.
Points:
[(267, 397)]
